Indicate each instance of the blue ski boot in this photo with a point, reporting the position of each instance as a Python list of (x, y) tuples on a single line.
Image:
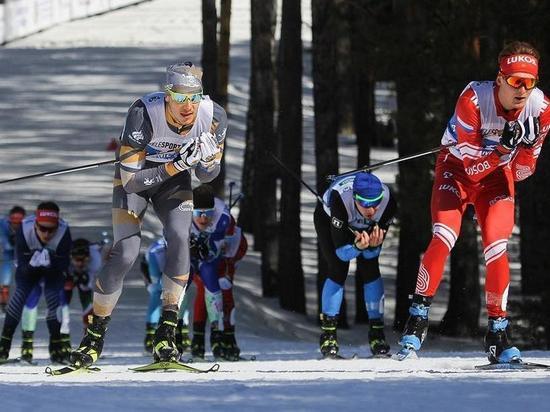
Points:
[(497, 347), (416, 327)]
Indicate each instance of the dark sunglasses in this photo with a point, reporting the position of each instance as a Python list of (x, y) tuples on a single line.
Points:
[(44, 229)]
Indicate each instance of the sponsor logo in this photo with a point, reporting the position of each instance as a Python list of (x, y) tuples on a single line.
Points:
[(136, 136), (222, 134), (491, 132), (478, 168), (148, 182), (186, 206), (153, 99), (522, 172), (337, 223), (447, 175), (521, 59), (499, 198), (165, 145), (450, 188)]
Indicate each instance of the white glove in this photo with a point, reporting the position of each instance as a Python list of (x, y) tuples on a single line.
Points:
[(40, 258), (225, 283), (209, 149), (189, 155)]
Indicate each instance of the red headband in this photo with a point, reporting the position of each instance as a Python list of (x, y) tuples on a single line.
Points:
[(519, 63), (49, 216)]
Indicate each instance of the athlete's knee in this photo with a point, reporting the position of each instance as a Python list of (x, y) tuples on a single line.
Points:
[(445, 234), (126, 251), (495, 250)]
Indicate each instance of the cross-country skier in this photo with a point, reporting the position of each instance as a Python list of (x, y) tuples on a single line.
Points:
[(362, 203), (217, 243), (8, 228), (43, 244), (166, 136), (499, 127)]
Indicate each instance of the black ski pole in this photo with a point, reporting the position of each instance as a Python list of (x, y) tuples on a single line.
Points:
[(391, 161), (231, 184), (59, 172), (291, 173)]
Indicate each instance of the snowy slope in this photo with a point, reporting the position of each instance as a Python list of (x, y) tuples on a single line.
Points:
[(63, 96)]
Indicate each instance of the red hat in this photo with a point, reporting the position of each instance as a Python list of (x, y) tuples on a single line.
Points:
[(47, 216), (519, 63)]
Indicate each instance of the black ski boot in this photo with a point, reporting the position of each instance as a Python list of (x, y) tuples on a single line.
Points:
[(58, 354), (66, 343), (150, 329), (497, 346), (216, 343), (328, 341), (5, 346), (232, 352), (27, 346), (92, 343), (164, 346), (416, 327), (377, 339), (197, 344), (182, 337)]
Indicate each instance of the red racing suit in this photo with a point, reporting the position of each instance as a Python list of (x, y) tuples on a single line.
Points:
[(473, 172)]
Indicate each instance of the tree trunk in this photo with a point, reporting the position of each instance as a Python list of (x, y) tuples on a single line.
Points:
[(324, 27), (289, 134), (223, 51)]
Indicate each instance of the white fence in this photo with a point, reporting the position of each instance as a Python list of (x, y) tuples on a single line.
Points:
[(19, 18)]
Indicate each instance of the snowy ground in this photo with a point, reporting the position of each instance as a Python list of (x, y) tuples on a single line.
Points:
[(63, 96)]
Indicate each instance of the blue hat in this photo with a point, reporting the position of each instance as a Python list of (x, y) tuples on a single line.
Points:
[(367, 189)]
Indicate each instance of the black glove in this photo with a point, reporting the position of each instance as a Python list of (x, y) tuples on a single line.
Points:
[(198, 248), (532, 129), (81, 278), (511, 136)]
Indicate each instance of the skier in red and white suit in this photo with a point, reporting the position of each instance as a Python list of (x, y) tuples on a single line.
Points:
[(499, 128)]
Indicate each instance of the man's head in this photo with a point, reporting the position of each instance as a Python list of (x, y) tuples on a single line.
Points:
[(368, 192), (47, 221), (16, 216), (203, 206), (183, 90), (518, 74), (80, 254)]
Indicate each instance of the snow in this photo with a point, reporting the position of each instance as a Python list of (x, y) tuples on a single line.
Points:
[(63, 95)]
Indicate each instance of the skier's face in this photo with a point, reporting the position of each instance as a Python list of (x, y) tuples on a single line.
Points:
[(515, 89), (183, 107), (203, 217), (45, 231), (80, 262), (367, 212)]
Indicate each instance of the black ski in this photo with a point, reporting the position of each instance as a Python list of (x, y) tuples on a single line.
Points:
[(338, 356), (513, 366), (174, 366)]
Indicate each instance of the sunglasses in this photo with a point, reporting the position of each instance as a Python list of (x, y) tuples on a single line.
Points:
[(368, 202), (516, 82), (185, 97), (44, 229), (209, 213)]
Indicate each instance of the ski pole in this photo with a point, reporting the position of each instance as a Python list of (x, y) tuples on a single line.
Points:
[(392, 161), (239, 197), (291, 173), (59, 172), (231, 184)]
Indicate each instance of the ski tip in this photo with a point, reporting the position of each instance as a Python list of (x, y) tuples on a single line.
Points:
[(215, 368)]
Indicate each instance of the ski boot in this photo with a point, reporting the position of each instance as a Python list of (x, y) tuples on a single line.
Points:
[(164, 345), (416, 327), (5, 346), (197, 344), (377, 339), (328, 341), (92, 343), (232, 352), (58, 353), (66, 343), (497, 347), (182, 337), (150, 329), (216, 343), (27, 346)]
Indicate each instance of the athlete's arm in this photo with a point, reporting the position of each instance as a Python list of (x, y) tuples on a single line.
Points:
[(218, 129), (137, 133), (342, 238)]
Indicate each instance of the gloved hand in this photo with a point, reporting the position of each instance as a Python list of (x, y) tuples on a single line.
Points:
[(198, 248), (40, 258), (225, 283), (209, 149), (532, 130), (511, 136), (188, 156)]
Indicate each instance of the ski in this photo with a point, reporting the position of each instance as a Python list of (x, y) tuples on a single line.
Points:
[(174, 366), (513, 366), (404, 353), (203, 360), (71, 369), (338, 356)]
